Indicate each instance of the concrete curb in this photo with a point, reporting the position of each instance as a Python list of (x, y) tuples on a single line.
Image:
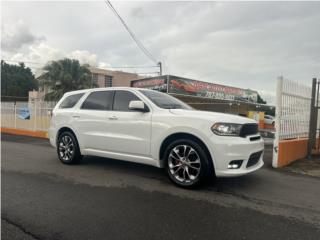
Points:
[(14, 131)]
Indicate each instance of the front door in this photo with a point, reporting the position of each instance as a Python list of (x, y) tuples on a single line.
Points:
[(129, 130)]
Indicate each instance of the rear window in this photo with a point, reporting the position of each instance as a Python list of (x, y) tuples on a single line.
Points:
[(100, 100), (71, 100)]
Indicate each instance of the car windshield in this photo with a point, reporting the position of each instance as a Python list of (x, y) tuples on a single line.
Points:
[(164, 100)]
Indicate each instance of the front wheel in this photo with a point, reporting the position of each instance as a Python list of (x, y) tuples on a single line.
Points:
[(187, 163), (68, 148)]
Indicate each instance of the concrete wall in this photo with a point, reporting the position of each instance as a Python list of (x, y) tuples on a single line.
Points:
[(119, 78), (291, 150)]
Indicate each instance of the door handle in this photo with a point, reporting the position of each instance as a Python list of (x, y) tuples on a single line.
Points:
[(76, 116), (113, 118)]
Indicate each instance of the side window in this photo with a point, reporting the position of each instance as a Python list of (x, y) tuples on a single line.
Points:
[(100, 100), (71, 100), (122, 100)]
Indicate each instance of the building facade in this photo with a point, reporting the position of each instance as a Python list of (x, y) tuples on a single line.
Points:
[(206, 96), (108, 78), (100, 77)]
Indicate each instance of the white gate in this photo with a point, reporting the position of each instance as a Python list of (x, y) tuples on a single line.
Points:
[(292, 114)]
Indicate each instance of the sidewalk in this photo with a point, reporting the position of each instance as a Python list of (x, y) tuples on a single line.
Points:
[(310, 167)]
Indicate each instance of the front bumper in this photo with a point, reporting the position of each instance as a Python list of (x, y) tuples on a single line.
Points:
[(227, 149)]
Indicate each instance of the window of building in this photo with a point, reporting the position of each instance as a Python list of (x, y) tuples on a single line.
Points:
[(122, 100), (95, 78), (107, 81), (71, 100), (100, 100)]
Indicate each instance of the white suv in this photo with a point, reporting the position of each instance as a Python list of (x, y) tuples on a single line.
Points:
[(154, 128)]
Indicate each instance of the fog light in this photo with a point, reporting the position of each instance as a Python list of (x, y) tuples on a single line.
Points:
[(235, 164)]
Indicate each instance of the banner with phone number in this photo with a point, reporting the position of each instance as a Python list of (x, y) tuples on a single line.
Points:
[(211, 90)]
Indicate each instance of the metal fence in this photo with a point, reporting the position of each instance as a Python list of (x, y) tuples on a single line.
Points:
[(292, 109), (293, 121), (14, 115)]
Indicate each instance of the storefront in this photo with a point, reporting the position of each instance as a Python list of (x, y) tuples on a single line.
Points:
[(207, 96)]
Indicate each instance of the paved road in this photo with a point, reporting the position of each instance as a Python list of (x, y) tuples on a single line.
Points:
[(108, 199)]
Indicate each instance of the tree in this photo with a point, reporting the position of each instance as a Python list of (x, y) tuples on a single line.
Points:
[(65, 75), (260, 100), (16, 80)]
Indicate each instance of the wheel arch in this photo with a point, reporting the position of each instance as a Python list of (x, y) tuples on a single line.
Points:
[(181, 135), (65, 129)]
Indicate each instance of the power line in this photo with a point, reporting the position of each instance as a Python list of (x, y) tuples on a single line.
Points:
[(135, 67), (133, 36), (21, 61), (147, 72)]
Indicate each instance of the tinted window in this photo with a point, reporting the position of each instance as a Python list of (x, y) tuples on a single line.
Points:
[(122, 100), (100, 100), (164, 100), (71, 100)]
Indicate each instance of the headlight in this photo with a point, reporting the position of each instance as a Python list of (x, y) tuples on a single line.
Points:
[(226, 129)]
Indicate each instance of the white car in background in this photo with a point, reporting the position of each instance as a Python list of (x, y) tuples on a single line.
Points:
[(154, 128), (268, 119)]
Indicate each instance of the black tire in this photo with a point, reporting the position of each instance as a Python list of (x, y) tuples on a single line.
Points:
[(206, 168), (70, 155)]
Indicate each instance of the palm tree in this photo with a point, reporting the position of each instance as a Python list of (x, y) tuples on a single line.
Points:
[(66, 75)]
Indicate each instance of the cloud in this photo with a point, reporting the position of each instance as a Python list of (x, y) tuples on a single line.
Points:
[(38, 53), (84, 57), (16, 35), (43, 53), (242, 44)]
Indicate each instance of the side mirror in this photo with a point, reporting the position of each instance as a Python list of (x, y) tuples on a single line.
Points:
[(138, 106)]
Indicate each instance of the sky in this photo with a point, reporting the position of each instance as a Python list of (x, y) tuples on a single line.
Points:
[(241, 44)]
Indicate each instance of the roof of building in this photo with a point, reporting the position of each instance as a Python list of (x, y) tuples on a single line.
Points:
[(111, 72)]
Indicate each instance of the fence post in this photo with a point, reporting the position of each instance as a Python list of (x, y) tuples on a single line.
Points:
[(277, 121), (15, 115), (35, 116), (313, 118)]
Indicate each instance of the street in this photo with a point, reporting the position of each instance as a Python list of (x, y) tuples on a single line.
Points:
[(109, 199)]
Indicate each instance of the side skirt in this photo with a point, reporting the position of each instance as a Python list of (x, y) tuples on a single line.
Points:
[(121, 156)]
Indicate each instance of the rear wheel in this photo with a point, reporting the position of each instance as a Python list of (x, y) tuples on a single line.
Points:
[(68, 148), (187, 164)]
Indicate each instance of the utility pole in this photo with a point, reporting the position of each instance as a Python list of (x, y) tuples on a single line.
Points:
[(313, 116), (160, 68)]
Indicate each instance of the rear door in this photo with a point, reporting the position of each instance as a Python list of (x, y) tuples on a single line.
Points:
[(129, 130), (91, 120)]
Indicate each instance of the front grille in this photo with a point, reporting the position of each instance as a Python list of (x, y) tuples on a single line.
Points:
[(254, 159), (249, 129)]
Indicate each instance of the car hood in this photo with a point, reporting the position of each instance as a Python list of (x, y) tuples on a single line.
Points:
[(213, 116)]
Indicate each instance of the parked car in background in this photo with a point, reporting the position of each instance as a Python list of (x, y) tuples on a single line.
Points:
[(268, 119), (154, 128)]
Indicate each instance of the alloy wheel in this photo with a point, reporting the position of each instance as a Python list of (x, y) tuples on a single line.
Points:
[(66, 148), (184, 163)]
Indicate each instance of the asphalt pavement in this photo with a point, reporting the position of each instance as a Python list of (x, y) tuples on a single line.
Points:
[(108, 199)]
